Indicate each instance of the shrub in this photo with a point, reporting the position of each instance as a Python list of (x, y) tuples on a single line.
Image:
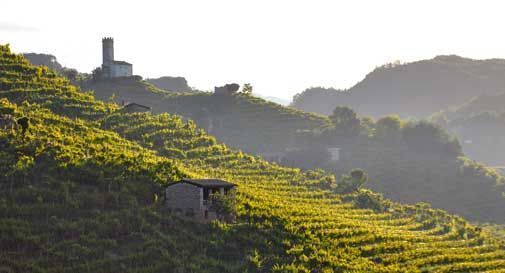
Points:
[(352, 182)]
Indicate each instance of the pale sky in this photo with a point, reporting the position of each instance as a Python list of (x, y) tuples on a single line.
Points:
[(280, 47)]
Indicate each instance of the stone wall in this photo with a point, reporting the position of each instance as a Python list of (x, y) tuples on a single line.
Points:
[(184, 197)]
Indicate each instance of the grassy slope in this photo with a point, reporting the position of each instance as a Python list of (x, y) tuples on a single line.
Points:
[(244, 122), (102, 216)]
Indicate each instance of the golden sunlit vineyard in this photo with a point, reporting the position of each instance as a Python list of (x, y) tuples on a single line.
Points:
[(81, 192)]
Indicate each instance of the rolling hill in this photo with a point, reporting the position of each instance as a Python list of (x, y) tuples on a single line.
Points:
[(79, 195), (416, 89)]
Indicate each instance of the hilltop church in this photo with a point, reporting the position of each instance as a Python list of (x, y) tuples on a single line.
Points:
[(110, 67)]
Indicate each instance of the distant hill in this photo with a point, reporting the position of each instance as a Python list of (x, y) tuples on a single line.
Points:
[(480, 125), (177, 84), (416, 89)]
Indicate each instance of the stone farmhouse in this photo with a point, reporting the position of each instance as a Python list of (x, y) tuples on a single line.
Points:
[(191, 197)]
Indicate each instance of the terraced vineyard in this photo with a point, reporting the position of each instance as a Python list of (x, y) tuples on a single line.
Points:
[(243, 121), (79, 193)]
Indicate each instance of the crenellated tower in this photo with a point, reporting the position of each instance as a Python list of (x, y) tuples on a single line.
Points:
[(108, 50), (110, 67)]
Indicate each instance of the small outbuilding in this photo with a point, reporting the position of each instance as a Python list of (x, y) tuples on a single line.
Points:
[(192, 197), (135, 108)]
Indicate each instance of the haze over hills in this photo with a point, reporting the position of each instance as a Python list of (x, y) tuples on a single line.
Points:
[(94, 206), (416, 89), (480, 124)]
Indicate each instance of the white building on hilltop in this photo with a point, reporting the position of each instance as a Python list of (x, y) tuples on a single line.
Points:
[(110, 67)]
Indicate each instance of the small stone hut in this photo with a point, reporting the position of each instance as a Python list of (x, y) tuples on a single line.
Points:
[(191, 197)]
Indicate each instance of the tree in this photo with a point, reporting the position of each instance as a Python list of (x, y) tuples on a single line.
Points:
[(247, 89), (96, 74), (352, 182), (227, 89), (345, 121), (389, 128), (430, 138), (70, 74)]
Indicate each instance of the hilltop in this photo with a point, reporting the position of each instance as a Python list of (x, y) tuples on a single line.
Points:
[(416, 89), (80, 194)]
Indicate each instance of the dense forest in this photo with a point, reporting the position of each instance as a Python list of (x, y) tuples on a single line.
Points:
[(96, 204), (416, 89)]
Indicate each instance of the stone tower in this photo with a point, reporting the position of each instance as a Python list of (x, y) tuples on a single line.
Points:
[(108, 50), (107, 55)]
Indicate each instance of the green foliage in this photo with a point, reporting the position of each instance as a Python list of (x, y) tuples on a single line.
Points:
[(366, 199), (345, 121), (352, 182), (427, 137), (224, 204), (389, 129), (247, 89)]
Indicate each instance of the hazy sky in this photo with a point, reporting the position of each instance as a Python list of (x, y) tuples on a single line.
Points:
[(281, 47)]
